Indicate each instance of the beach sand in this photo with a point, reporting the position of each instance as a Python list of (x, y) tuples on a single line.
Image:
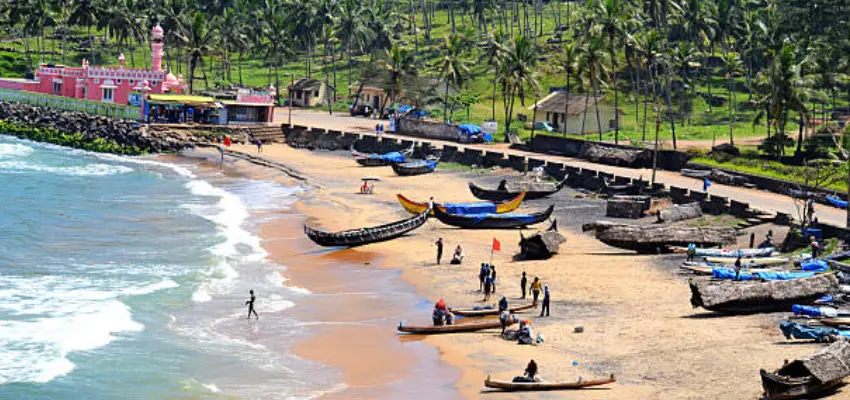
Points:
[(638, 323)]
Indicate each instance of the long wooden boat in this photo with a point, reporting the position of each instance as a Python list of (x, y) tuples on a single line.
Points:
[(469, 312), (658, 238), (745, 253), (362, 236), (835, 201), (493, 221), (810, 377), (736, 297), (836, 322), (415, 207), (414, 168), (456, 328), (532, 193), (749, 261), (541, 386)]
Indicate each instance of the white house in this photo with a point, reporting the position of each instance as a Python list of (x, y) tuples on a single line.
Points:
[(558, 107), (307, 92)]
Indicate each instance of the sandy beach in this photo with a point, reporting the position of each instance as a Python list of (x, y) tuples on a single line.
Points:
[(637, 320)]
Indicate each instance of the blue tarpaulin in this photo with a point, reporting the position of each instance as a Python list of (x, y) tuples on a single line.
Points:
[(394, 156), (835, 201), (422, 163), (814, 311), (487, 137), (815, 266), (470, 129), (404, 109), (725, 273), (525, 218), (470, 208), (802, 331)]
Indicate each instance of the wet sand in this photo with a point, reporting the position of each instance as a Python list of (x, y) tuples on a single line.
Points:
[(638, 323)]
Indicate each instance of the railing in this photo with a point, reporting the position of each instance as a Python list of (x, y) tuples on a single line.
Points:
[(69, 104)]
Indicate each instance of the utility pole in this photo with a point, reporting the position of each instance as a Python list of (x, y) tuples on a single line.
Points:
[(291, 86)]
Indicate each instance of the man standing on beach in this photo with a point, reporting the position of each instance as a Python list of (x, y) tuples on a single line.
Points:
[(545, 307), (250, 304), (439, 244), (522, 283), (535, 289), (493, 276), (259, 146)]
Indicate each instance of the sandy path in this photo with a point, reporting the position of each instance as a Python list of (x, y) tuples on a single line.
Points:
[(764, 200), (638, 323)]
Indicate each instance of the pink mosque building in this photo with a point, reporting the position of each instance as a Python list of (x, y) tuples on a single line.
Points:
[(122, 85)]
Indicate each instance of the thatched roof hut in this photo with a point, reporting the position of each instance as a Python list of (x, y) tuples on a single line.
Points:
[(748, 296), (830, 363)]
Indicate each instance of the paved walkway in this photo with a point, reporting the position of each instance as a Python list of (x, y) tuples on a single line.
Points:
[(755, 198)]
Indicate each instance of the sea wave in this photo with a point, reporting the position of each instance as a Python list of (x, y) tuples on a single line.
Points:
[(97, 169), (14, 150)]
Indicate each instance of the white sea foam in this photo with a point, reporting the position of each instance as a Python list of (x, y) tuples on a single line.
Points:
[(274, 303), (14, 150), (211, 387), (153, 287), (82, 170)]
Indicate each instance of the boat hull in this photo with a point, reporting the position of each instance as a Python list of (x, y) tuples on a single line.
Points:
[(413, 169), (364, 236), (494, 221), (414, 207), (468, 312), (545, 386), (504, 195), (457, 328)]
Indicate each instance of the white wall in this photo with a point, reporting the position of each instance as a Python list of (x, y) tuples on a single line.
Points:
[(574, 122)]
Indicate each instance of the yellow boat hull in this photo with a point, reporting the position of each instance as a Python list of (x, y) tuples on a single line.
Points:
[(414, 207)]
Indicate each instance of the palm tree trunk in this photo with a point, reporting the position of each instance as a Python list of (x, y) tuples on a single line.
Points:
[(596, 106), (616, 91), (567, 105), (584, 117), (452, 14), (446, 103), (239, 66), (731, 109), (799, 150), (349, 69), (493, 104)]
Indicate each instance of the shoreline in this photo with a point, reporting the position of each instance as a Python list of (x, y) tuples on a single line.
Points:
[(634, 309)]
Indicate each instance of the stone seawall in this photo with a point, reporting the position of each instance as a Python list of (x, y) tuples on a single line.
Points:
[(90, 132)]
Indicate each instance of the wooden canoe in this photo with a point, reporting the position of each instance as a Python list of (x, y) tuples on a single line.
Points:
[(415, 207), (836, 322), (540, 386), (749, 261), (456, 328), (469, 312)]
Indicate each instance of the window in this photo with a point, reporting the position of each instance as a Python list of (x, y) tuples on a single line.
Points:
[(119, 81), (315, 93), (57, 87), (108, 95), (132, 81), (96, 80)]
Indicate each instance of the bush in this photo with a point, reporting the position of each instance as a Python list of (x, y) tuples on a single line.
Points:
[(75, 140)]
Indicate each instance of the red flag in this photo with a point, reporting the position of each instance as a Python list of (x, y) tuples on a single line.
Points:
[(227, 141), (496, 245)]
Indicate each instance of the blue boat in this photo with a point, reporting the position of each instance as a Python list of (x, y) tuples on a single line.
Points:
[(835, 201), (380, 160), (414, 168)]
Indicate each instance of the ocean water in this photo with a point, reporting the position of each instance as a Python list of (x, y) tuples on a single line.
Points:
[(127, 277)]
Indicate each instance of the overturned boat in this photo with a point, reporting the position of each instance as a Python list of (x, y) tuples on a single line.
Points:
[(811, 376), (541, 245), (415, 207), (493, 221), (380, 160), (506, 191), (736, 297), (363, 236), (658, 238)]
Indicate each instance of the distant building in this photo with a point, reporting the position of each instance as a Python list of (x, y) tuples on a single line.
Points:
[(553, 109), (307, 92)]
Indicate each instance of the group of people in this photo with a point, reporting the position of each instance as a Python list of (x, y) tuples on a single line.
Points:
[(487, 280), (457, 257), (535, 289), (441, 315)]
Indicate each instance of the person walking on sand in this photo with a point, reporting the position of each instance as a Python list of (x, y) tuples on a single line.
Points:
[(545, 307), (250, 304), (488, 284), (535, 290), (259, 146), (522, 283), (439, 244)]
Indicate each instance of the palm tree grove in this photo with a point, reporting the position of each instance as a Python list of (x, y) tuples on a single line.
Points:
[(768, 76)]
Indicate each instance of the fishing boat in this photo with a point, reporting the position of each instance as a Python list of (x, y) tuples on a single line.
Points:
[(456, 328), (471, 312), (658, 238), (363, 236), (835, 201), (504, 192), (749, 261), (836, 322), (415, 207), (541, 386), (744, 253), (493, 221), (734, 297), (809, 377), (380, 160), (420, 167)]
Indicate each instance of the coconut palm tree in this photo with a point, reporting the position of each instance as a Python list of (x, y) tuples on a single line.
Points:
[(733, 65), (493, 55), (85, 13), (199, 39), (398, 63), (612, 18), (520, 74), (567, 63), (453, 68), (352, 31), (592, 58), (685, 58)]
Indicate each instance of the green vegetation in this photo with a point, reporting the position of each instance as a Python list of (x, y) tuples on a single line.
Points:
[(686, 69), (74, 140), (453, 166), (829, 176)]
